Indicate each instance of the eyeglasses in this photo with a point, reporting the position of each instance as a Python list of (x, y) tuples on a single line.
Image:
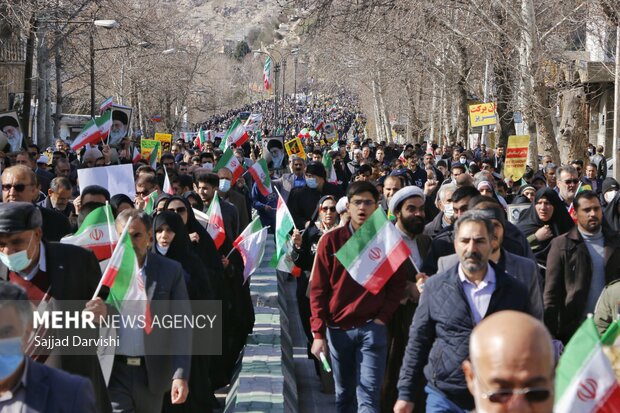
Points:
[(16, 187), (325, 209), (531, 394), (571, 181), (143, 193), (179, 210), (503, 396), (365, 202)]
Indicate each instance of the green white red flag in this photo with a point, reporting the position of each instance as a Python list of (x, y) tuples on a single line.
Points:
[(104, 123), (236, 134), (585, 381), (88, 134), (374, 252), (106, 104), (267, 73), (215, 227), (127, 290), (136, 155), (281, 259), (251, 245), (153, 155), (253, 122), (202, 137), (96, 233), (260, 173), (167, 185), (329, 167), (150, 202), (230, 162)]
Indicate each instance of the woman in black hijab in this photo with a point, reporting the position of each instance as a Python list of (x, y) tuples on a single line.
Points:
[(120, 202), (612, 213), (544, 220), (171, 240), (159, 203), (194, 200)]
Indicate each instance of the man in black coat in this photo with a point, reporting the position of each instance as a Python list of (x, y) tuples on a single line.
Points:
[(48, 270), (451, 305)]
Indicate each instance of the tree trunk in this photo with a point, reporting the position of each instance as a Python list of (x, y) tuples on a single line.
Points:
[(573, 136), (384, 111), (375, 100), (464, 67), (59, 97), (42, 95)]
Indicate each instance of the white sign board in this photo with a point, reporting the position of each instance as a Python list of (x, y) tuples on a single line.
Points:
[(118, 179)]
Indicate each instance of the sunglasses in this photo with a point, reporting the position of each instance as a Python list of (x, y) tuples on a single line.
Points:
[(179, 210), (143, 193), (531, 394), (365, 202), (16, 187), (325, 209), (571, 181)]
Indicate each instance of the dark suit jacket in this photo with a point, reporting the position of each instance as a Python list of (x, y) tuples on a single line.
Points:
[(74, 274), (165, 283), (49, 390), (55, 224), (568, 278), (238, 200)]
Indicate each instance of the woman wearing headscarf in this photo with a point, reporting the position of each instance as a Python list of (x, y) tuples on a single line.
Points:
[(544, 220), (119, 203), (160, 202), (612, 213), (194, 199), (172, 241)]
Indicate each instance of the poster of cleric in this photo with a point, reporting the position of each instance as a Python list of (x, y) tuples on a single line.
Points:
[(11, 134)]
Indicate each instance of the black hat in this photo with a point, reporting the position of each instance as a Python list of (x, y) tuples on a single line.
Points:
[(120, 116), (8, 121), (274, 143), (609, 184), (19, 216), (316, 168)]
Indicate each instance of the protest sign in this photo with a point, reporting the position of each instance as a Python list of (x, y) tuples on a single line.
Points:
[(147, 146), (482, 114), (294, 147), (516, 156), (166, 141), (118, 179)]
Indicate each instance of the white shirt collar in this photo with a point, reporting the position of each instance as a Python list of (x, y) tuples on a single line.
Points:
[(489, 278), (41, 266)]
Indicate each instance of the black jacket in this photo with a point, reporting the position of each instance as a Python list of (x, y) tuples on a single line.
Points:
[(302, 202), (439, 334)]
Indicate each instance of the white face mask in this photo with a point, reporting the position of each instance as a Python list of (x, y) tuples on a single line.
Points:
[(208, 166), (448, 209), (609, 196)]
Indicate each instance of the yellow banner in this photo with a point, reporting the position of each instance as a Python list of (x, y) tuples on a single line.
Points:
[(147, 146), (482, 115), (294, 147), (516, 156), (166, 142)]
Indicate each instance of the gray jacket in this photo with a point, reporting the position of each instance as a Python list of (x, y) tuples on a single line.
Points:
[(523, 269)]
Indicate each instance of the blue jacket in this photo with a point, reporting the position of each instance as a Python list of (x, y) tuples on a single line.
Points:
[(49, 390), (439, 334)]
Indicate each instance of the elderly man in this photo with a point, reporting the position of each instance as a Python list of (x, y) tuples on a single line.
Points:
[(10, 127), (445, 218), (22, 379), (19, 184), (510, 366), (49, 270), (295, 179), (59, 197), (568, 182), (451, 305)]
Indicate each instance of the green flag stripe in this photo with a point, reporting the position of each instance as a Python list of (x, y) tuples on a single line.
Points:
[(223, 162), (96, 217), (122, 280), (611, 334), (576, 355), (363, 237)]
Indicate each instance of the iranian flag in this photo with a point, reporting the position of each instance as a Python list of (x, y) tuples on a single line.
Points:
[(122, 276), (402, 158), (215, 227), (230, 162), (236, 134), (136, 155), (167, 186), (153, 156), (104, 123), (281, 259), (150, 202), (585, 381), (319, 125), (106, 104), (202, 137), (253, 121), (88, 134), (251, 245), (267, 73), (374, 252), (96, 233), (260, 173), (329, 167)]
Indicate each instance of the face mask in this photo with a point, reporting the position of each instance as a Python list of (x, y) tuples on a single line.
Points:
[(609, 195), (162, 250), (448, 210), (312, 183), (463, 160), (224, 185), (11, 356), (208, 165), (17, 261)]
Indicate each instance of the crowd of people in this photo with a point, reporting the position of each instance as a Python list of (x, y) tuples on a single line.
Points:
[(487, 253)]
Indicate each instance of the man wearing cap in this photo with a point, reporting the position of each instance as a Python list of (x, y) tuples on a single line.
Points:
[(19, 184), (49, 270), (302, 202), (408, 206), (119, 126), (10, 127), (610, 188)]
